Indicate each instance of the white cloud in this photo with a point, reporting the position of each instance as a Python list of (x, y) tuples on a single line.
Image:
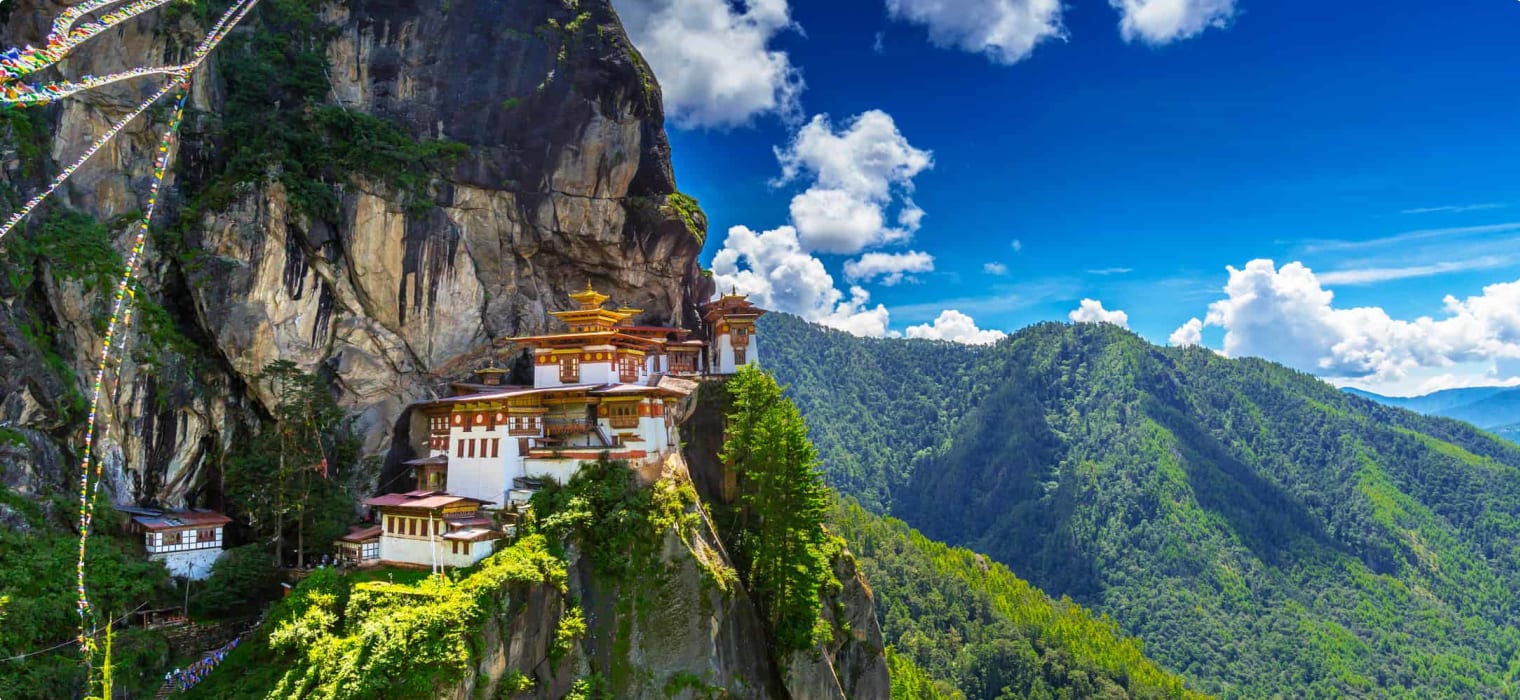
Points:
[(1454, 209), (890, 267), (1018, 246), (778, 274), (1190, 333), (1408, 236), (1372, 275), (955, 326), (879, 46), (1111, 271), (1159, 22), (995, 268), (857, 173), (1092, 311), (713, 60), (1445, 381), (1287, 316), (1005, 31)]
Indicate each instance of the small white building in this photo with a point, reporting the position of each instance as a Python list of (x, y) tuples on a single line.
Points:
[(360, 547), (187, 542), (428, 528), (731, 320)]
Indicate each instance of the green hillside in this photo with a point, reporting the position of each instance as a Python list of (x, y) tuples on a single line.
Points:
[(1264, 533), (984, 631)]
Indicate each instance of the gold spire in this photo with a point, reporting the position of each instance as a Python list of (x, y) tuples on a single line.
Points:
[(589, 299)]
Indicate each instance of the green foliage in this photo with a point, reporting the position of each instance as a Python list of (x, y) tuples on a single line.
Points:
[(348, 638), (274, 477), (240, 580), (277, 125), (591, 687), (512, 683), (871, 404), (690, 212), (26, 129), (781, 546), (909, 682), (73, 245), (681, 681), (37, 586), (619, 526), (984, 630), (12, 438), (572, 627), (1265, 533)]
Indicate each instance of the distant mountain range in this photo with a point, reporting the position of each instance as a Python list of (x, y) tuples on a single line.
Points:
[(1495, 409), (1266, 534)]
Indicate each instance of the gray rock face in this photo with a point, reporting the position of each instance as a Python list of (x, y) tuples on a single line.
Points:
[(565, 181)]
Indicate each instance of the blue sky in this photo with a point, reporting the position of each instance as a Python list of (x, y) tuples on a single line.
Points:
[(1133, 151)]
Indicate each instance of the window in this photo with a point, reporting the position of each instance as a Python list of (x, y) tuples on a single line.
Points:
[(205, 535), (495, 447), (738, 356), (628, 368), (411, 526), (569, 369), (454, 545), (171, 538), (472, 447), (371, 550), (392, 527), (624, 415), (460, 447)]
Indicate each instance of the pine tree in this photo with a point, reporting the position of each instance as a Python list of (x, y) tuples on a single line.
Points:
[(783, 506)]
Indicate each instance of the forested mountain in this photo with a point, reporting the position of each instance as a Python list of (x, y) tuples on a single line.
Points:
[(978, 631), (1496, 409), (1266, 534)]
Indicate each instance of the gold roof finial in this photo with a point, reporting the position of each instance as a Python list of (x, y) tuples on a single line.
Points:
[(589, 299)]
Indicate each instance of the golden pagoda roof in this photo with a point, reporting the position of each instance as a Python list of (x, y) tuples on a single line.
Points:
[(590, 298)]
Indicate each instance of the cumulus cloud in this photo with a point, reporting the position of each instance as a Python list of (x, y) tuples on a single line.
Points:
[(1018, 246), (774, 270), (1092, 311), (713, 59), (955, 326), (856, 174), (995, 268), (890, 267), (1005, 31), (1287, 316), (1190, 333), (1160, 22)]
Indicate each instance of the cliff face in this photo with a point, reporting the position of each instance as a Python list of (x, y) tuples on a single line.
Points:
[(562, 177), (678, 630)]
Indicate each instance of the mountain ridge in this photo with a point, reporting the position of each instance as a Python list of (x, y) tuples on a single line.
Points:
[(1262, 531)]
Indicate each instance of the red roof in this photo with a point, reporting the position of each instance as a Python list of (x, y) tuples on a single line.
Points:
[(474, 520), (428, 500), (360, 533), (472, 534), (184, 519)]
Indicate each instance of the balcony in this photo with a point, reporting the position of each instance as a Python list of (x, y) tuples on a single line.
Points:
[(568, 426)]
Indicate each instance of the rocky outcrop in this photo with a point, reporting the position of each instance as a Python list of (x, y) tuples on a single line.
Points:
[(682, 628), (564, 179)]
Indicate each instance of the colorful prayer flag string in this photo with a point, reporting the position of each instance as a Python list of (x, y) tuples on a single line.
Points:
[(218, 31), (121, 318), (121, 313)]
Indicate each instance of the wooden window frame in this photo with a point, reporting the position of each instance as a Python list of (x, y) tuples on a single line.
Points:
[(623, 415), (569, 369)]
